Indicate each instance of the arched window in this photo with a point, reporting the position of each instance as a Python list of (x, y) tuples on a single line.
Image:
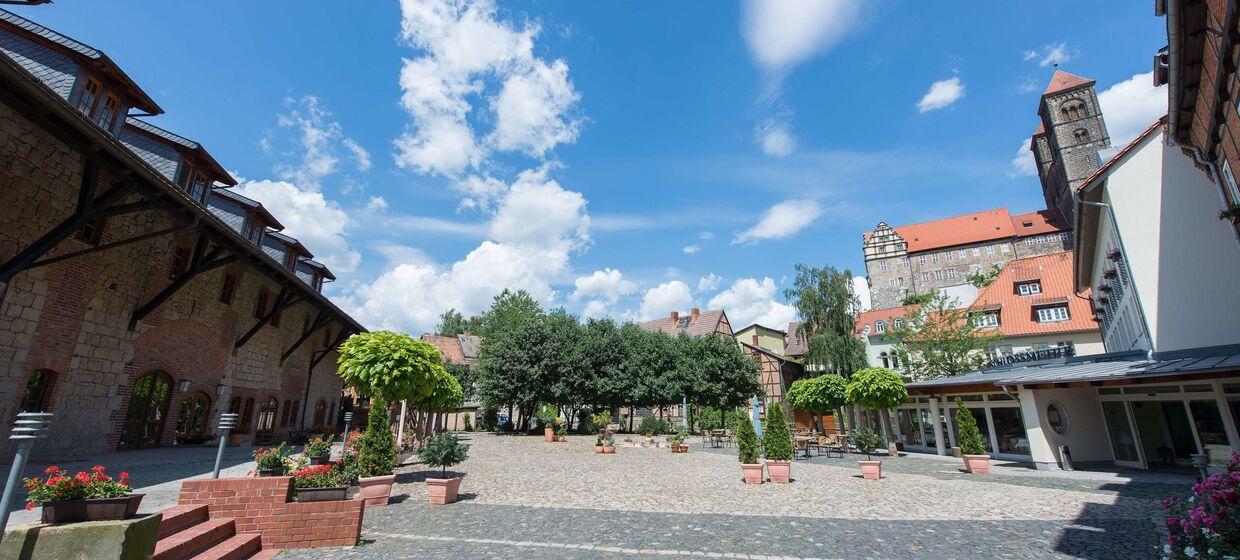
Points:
[(247, 415), (284, 415), (320, 413), (37, 396), (293, 414), (1081, 135), (267, 415), (234, 406), (895, 360), (883, 357), (148, 404), (880, 326), (192, 420)]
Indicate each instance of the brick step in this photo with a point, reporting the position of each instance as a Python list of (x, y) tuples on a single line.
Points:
[(178, 518), (188, 542), (266, 554), (236, 547)]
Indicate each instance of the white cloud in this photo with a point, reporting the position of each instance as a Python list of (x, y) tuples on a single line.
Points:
[(708, 283), (691, 249), (1024, 164), (608, 284), (463, 47), (784, 33), (317, 222), (376, 204), (539, 214), (776, 139), (665, 298), (1131, 106), (479, 192), (1055, 53), (360, 155), (861, 287), (706, 236), (942, 93), (750, 301), (780, 221), (318, 138), (595, 309)]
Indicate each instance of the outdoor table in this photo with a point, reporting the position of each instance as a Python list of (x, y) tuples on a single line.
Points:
[(803, 442)]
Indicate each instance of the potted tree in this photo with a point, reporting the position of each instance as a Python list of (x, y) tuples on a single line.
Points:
[(389, 367), (866, 441), (320, 483), (877, 389), (318, 451), (747, 446), (92, 496), (777, 445), (976, 461), (443, 450), (547, 416), (272, 461), (818, 395)]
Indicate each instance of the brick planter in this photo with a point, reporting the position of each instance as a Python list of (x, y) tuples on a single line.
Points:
[(265, 506)]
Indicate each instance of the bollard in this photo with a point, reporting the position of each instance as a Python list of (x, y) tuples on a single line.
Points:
[(348, 419), (28, 427), (228, 421)]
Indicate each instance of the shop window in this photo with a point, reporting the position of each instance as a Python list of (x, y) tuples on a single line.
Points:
[(36, 397), (1010, 429), (1209, 422), (267, 415)]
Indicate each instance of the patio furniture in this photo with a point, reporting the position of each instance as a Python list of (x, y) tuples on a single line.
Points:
[(802, 442)]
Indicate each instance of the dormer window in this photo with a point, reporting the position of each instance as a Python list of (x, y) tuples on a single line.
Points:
[(1053, 314), (880, 327), (105, 117), (249, 230), (682, 323), (1029, 288), (90, 96), (194, 183), (290, 259), (318, 282), (987, 320)]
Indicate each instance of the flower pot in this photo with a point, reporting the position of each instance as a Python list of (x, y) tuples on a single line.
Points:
[(549, 434), (753, 473), (871, 470), (684, 448), (609, 449), (91, 510), (320, 459), (977, 464), (599, 449), (780, 471), (442, 490), (376, 489), (329, 494), (559, 439), (270, 472)]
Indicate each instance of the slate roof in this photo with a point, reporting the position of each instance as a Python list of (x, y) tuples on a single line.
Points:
[(327, 273), (290, 241), (708, 322), (1063, 81), (222, 175), (471, 346), (451, 349), (1016, 312), (272, 222), (1099, 367)]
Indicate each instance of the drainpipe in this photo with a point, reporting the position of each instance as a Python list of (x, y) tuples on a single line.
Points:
[(1123, 254)]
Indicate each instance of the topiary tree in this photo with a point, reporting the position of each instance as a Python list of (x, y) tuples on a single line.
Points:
[(443, 451), (777, 441), (376, 454), (818, 395), (391, 366), (747, 443), (970, 437), (876, 389), (866, 441)]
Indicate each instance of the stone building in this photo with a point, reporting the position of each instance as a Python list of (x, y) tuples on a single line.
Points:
[(919, 258), (1068, 138), (139, 297)]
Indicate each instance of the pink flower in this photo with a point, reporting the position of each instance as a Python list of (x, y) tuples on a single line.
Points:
[(52, 470), (29, 506)]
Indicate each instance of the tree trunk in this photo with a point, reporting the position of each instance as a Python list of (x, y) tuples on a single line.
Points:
[(510, 417)]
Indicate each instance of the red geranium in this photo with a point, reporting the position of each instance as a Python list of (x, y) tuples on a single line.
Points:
[(81, 486)]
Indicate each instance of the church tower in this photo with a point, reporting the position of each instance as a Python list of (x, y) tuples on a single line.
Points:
[(1067, 141)]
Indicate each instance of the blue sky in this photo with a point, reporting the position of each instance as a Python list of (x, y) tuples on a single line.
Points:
[(614, 158)]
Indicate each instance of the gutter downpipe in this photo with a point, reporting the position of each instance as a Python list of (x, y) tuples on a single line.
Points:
[(1173, 65), (1123, 254)]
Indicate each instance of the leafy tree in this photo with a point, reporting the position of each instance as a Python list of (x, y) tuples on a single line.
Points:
[(876, 389), (824, 299), (866, 441), (377, 448), (983, 278), (443, 451), (818, 395), (391, 366), (509, 371), (940, 339), (647, 357), (570, 382), (509, 310), (919, 299), (747, 443), (452, 323), (603, 352), (463, 375), (966, 426), (777, 441), (714, 371)]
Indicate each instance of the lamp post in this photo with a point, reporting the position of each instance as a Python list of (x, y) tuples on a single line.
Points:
[(348, 419), (228, 421), (756, 418), (28, 427)]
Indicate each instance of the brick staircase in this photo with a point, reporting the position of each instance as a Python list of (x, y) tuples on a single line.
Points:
[(188, 532)]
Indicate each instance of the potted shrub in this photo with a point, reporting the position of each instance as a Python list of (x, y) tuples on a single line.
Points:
[(376, 456), (866, 441), (673, 441), (320, 483), (443, 450), (747, 445), (547, 416), (272, 461), (560, 429), (1207, 524), (85, 496), (606, 442), (318, 451), (777, 445), (878, 389), (976, 460)]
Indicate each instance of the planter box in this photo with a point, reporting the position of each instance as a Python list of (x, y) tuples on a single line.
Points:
[(549, 434), (753, 473), (92, 510), (376, 489), (442, 491), (977, 464), (131, 538), (320, 459), (609, 449), (559, 439), (780, 471), (871, 470), (270, 472), (322, 494)]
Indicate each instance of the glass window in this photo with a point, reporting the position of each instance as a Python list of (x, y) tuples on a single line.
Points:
[(1057, 418), (910, 430), (89, 97), (990, 249), (921, 259), (1122, 442), (267, 415), (1010, 429), (1029, 288), (977, 251), (106, 118), (37, 395), (1209, 422), (1004, 248), (935, 257), (880, 326), (1052, 314), (1230, 179), (964, 253)]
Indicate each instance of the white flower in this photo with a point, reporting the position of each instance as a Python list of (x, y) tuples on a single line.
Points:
[(1189, 552)]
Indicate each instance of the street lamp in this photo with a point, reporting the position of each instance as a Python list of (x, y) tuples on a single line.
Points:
[(348, 419), (28, 427), (228, 421)]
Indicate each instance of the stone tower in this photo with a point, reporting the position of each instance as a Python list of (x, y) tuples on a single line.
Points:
[(1067, 141), (887, 267)]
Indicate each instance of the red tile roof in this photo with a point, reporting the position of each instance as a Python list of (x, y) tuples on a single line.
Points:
[(1016, 312), (1064, 81), (1040, 131), (887, 315), (449, 348), (958, 230), (1038, 223), (707, 322)]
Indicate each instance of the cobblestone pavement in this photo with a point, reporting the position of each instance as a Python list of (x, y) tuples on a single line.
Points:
[(523, 497)]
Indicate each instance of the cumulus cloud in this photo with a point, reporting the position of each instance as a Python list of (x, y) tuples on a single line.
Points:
[(665, 298), (784, 33), (861, 287), (376, 204), (942, 93), (320, 140), (461, 47), (776, 138), (691, 249), (750, 300), (781, 221), (1131, 106), (708, 283), (1024, 164), (1052, 54), (607, 285), (317, 222)]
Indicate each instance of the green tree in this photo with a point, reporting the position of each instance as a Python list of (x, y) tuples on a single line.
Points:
[(746, 442), (648, 356), (509, 371), (919, 299), (464, 377), (392, 366), (377, 448), (966, 426), (570, 382), (818, 395), (452, 323), (827, 305), (509, 310), (713, 371), (777, 441), (603, 350), (443, 450), (983, 278), (877, 389), (939, 339)]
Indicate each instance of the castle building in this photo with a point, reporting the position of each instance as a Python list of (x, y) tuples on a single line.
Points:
[(1068, 138)]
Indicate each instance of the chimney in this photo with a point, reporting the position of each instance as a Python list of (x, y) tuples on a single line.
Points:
[(675, 316), (693, 315), (755, 340)]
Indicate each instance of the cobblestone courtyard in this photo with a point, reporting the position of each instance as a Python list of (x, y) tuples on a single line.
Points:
[(523, 497)]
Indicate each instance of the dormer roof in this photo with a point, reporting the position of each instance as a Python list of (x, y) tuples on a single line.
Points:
[(322, 268), (256, 206), (218, 173), (291, 242), (1063, 81)]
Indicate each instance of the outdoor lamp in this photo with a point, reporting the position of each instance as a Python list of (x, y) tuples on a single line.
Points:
[(184, 386), (219, 389)]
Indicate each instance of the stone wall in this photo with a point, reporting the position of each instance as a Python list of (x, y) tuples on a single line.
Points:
[(72, 317)]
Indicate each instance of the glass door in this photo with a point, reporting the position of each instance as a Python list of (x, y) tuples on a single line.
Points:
[(1123, 441), (148, 402)]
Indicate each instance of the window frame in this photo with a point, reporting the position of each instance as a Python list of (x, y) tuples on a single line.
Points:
[(43, 402), (1052, 314)]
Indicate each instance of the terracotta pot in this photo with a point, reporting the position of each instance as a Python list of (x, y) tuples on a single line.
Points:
[(443, 490), (753, 473), (871, 470), (376, 489), (91, 510), (609, 449), (977, 464), (330, 494), (559, 439), (684, 449), (549, 434), (599, 449), (780, 471), (320, 459)]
